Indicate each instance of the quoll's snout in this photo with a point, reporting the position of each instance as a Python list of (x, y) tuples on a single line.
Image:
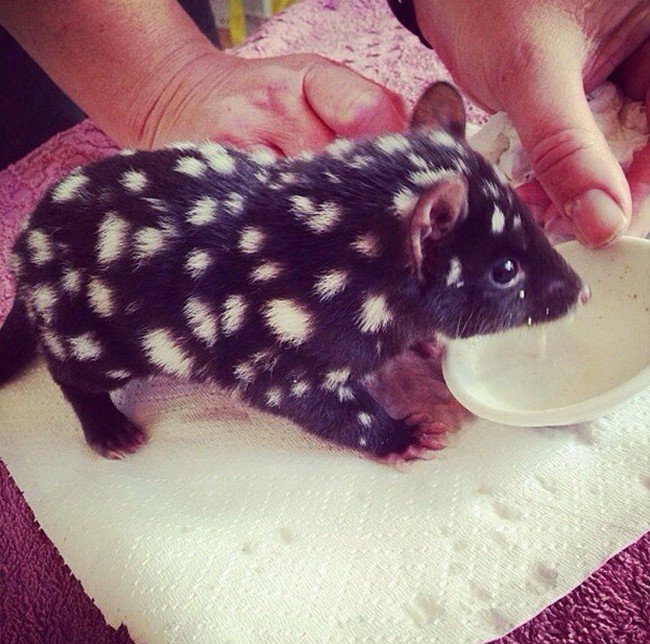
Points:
[(558, 288)]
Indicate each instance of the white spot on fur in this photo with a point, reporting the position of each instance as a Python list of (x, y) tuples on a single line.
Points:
[(305, 155), (332, 178), (234, 203), (232, 316), (156, 204), (374, 314), (126, 152), (245, 372), (134, 180), (266, 271), (251, 240), (190, 166), (118, 374), (426, 178), (71, 281), (367, 244), (163, 350), (330, 283), (454, 275), (86, 346), (339, 148), (392, 143), (300, 388), (40, 247), (147, 242), (490, 189), (522, 294), (111, 238), (43, 299), (335, 378), (203, 211), (70, 187), (516, 222), (302, 206), (274, 397), (263, 156), (418, 161), (440, 137), (363, 441), (404, 201), (345, 394), (53, 344), (361, 162), (218, 157), (529, 321), (288, 321), (287, 178), (100, 297), (498, 221), (197, 263), (327, 216), (265, 358), (364, 419), (201, 320)]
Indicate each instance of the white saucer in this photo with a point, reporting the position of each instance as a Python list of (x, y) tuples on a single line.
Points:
[(571, 370)]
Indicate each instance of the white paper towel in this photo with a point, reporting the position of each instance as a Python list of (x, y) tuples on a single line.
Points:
[(233, 526)]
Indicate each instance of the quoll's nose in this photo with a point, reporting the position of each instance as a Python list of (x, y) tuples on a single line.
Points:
[(559, 288)]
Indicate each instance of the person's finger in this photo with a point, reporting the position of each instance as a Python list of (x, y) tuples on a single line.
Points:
[(351, 105), (638, 175), (303, 131), (569, 153)]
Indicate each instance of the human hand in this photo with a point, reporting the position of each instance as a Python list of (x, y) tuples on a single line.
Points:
[(289, 103), (535, 60)]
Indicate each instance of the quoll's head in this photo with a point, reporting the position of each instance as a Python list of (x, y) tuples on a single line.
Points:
[(482, 263)]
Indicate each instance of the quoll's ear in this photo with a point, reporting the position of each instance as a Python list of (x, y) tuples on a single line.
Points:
[(442, 207), (441, 107)]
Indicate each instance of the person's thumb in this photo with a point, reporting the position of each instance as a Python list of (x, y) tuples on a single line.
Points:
[(351, 105), (570, 156)]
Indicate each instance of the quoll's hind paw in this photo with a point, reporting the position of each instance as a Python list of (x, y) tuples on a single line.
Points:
[(118, 440), (423, 437)]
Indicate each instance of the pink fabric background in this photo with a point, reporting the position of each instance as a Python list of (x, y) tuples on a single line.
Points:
[(40, 600)]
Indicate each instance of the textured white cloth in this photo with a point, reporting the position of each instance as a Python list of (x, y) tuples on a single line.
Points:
[(233, 526)]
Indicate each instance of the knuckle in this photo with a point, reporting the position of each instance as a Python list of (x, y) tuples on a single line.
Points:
[(560, 147)]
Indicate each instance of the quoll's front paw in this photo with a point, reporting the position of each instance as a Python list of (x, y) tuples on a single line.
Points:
[(411, 385)]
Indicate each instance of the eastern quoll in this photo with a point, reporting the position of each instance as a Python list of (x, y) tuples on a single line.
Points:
[(286, 280)]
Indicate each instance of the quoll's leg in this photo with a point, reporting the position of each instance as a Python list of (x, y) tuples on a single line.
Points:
[(411, 385), (327, 403), (107, 430)]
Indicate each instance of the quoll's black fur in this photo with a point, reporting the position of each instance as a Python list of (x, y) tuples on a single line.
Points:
[(288, 280)]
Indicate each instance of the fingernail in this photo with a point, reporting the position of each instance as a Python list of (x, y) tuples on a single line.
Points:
[(597, 218)]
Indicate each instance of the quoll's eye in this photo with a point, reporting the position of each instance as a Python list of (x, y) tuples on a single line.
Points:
[(505, 271)]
